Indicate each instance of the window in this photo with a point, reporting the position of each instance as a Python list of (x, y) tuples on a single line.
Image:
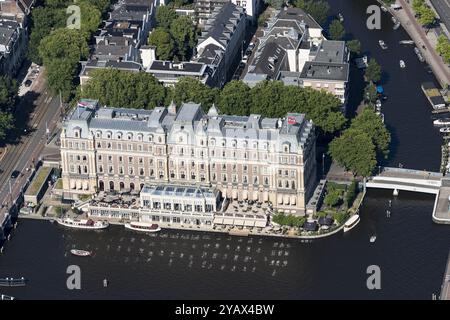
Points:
[(121, 171), (120, 159), (213, 177), (100, 168), (130, 170), (141, 160), (266, 181), (224, 177), (182, 175), (244, 179), (111, 169), (99, 145), (109, 158), (130, 159), (99, 157), (224, 167), (172, 174), (141, 171)]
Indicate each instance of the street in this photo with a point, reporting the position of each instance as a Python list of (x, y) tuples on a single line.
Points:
[(36, 111)]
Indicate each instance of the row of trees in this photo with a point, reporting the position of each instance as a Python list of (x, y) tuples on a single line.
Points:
[(175, 36), (426, 15), (59, 48), (8, 97), (443, 48), (269, 98)]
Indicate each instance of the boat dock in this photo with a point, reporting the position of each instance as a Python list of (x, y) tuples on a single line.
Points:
[(445, 289)]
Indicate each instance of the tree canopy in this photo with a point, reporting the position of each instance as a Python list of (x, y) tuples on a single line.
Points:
[(117, 88), (165, 16), (8, 97), (318, 9), (373, 71), (184, 34), (443, 48), (354, 46), (337, 31), (235, 99)]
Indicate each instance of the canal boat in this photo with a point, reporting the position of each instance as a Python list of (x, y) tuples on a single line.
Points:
[(142, 226), (80, 253), (13, 282), (5, 297), (442, 122), (444, 130), (373, 239), (378, 104), (406, 42), (382, 44), (361, 63), (402, 64), (351, 223), (384, 9), (341, 17), (396, 26), (86, 224)]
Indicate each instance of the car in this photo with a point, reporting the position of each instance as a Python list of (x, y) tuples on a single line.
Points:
[(15, 174), (28, 83)]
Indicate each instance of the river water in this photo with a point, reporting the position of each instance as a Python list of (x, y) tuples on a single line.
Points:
[(410, 249)]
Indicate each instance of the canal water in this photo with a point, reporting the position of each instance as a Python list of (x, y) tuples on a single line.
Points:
[(410, 249)]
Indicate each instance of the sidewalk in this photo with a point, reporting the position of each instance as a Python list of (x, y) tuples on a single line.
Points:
[(425, 42)]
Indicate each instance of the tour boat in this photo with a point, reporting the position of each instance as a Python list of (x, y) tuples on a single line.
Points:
[(382, 44), (442, 122), (351, 223), (445, 130), (373, 239), (13, 282), (142, 226), (80, 253), (4, 297), (87, 224), (402, 64)]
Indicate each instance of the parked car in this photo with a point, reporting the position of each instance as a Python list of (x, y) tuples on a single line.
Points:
[(15, 174)]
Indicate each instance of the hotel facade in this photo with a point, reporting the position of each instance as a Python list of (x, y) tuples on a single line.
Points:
[(243, 157)]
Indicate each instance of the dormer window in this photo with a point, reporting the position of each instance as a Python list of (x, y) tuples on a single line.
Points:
[(223, 143), (150, 138), (129, 136)]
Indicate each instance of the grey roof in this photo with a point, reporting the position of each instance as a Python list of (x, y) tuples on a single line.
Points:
[(179, 191), (221, 23), (182, 67), (190, 112), (332, 51), (325, 71)]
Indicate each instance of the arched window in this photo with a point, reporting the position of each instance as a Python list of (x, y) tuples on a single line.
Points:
[(132, 186), (121, 186), (111, 185), (101, 185)]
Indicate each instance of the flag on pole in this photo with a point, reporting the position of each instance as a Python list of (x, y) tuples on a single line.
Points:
[(291, 120)]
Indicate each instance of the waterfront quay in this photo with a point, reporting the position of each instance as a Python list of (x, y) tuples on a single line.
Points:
[(445, 289)]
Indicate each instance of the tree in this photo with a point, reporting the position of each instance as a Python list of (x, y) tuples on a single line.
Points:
[(443, 48), (61, 51), (6, 123), (163, 42), (332, 198), (235, 99), (371, 124), (352, 192), (182, 30), (117, 88), (192, 90), (277, 4), (318, 9), (354, 151), (417, 5), (373, 71), (370, 93), (164, 17), (427, 16), (8, 93), (354, 46), (90, 17), (337, 31)]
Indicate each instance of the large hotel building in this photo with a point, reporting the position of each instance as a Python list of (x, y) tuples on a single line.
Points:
[(234, 157)]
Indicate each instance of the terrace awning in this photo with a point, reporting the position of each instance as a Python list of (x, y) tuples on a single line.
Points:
[(238, 222), (218, 221), (249, 223), (228, 221)]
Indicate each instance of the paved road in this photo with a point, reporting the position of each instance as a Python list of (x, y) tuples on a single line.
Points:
[(19, 155), (417, 33), (443, 9)]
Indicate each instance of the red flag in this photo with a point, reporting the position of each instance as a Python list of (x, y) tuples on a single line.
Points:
[(291, 120)]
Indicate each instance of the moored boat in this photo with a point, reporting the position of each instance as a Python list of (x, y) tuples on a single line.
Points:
[(402, 64), (406, 42), (86, 224), (442, 122), (5, 297), (382, 44), (143, 226), (351, 223), (80, 253), (373, 239)]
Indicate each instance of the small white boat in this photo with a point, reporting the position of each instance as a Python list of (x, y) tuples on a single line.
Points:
[(406, 42), (382, 44), (80, 253), (402, 64), (351, 223), (378, 103), (86, 224), (442, 122), (396, 26), (384, 9), (143, 226), (394, 20), (341, 17), (373, 239), (445, 130)]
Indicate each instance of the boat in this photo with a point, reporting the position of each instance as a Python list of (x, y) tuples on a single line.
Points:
[(86, 224), (406, 42), (362, 62), (382, 44), (445, 130), (396, 26), (402, 64), (373, 239), (416, 50), (143, 226), (420, 57), (341, 17), (384, 9), (378, 103), (5, 297), (80, 253), (394, 20), (351, 223), (13, 282), (442, 122)]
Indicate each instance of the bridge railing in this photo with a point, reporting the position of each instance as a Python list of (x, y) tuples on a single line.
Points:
[(411, 172)]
